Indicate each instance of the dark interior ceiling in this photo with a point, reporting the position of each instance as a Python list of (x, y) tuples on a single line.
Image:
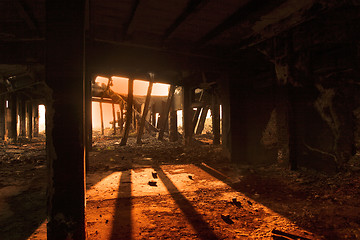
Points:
[(150, 35)]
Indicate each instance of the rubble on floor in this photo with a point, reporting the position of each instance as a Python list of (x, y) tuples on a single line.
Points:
[(198, 194)]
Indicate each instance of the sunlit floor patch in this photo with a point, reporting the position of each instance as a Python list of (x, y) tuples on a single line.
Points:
[(185, 203)]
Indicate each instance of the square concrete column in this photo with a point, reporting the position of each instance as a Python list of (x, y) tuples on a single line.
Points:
[(22, 114), (65, 131), (187, 115), (35, 119), (2, 116), (29, 120), (12, 128)]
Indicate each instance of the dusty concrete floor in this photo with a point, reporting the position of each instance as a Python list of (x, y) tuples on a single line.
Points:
[(197, 195)]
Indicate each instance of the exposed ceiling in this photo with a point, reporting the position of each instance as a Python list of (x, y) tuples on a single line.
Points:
[(158, 35)]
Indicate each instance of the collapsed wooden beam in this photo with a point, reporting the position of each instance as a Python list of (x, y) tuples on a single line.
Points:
[(202, 119)]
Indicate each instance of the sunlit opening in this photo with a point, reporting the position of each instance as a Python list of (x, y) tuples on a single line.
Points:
[(120, 86), (42, 112)]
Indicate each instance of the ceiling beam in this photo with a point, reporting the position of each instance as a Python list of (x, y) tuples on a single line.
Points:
[(25, 13), (192, 6), (134, 8), (253, 9)]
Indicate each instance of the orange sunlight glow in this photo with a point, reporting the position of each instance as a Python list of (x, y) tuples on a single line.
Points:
[(120, 85)]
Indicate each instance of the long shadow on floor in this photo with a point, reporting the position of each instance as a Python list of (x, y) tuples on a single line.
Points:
[(279, 194), (122, 217), (28, 212), (202, 228)]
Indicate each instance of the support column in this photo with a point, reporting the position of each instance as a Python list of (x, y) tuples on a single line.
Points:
[(121, 119), (88, 109), (22, 113), (153, 115), (187, 114), (165, 114), (65, 115), (173, 133), (101, 117), (13, 117), (129, 111), (145, 112), (114, 117), (2, 116), (29, 120), (215, 114), (292, 129), (36, 120)]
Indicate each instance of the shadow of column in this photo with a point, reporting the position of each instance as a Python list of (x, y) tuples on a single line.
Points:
[(201, 227), (122, 226)]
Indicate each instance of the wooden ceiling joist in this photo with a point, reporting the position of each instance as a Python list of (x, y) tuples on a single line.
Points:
[(191, 7), (245, 13), (130, 19)]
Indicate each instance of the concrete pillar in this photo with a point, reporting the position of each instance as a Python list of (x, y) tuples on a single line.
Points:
[(22, 113), (173, 133), (35, 120), (29, 120), (129, 109), (251, 110), (65, 113), (101, 117), (215, 113), (12, 128), (88, 109), (187, 114), (153, 115), (2, 116)]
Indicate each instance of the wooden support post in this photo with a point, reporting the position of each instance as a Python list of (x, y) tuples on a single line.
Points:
[(121, 121), (202, 120), (165, 113), (134, 120), (128, 111), (187, 114), (65, 113), (22, 113), (101, 117), (36, 120), (89, 78), (13, 117), (144, 113), (153, 115), (292, 127), (173, 129), (114, 118), (215, 113), (2, 116), (29, 120)]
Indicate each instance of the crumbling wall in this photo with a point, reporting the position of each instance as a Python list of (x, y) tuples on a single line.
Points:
[(317, 71)]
